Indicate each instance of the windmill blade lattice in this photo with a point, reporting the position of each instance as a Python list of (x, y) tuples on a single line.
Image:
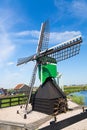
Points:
[(65, 50), (72, 49), (44, 37), (31, 84), (25, 60), (42, 44)]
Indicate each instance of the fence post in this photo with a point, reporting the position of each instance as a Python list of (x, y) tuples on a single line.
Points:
[(18, 100), (0, 102), (10, 101)]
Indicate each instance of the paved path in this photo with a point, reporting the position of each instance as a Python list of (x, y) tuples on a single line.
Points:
[(37, 119)]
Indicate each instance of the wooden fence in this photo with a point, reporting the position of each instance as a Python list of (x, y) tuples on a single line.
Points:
[(12, 101)]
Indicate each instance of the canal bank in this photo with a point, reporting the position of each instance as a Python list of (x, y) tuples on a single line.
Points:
[(80, 95)]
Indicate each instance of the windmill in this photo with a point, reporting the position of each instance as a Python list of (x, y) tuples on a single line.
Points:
[(46, 59)]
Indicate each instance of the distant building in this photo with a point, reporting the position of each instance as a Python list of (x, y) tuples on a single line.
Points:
[(3, 91), (22, 88)]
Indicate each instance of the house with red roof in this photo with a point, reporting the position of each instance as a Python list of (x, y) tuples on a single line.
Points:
[(22, 88)]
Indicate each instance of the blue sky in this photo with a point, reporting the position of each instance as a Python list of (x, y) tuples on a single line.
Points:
[(20, 22)]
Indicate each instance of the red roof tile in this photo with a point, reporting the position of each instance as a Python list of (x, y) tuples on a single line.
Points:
[(19, 86)]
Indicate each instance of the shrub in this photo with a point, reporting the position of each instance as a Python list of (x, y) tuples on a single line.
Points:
[(78, 99)]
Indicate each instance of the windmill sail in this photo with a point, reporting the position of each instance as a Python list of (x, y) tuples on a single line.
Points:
[(60, 52), (65, 50), (44, 37), (25, 60), (42, 44), (32, 81)]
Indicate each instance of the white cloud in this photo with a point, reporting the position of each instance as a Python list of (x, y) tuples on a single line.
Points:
[(79, 8), (32, 33), (10, 63), (33, 36), (61, 4), (6, 45), (63, 8), (76, 8), (56, 37), (25, 37)]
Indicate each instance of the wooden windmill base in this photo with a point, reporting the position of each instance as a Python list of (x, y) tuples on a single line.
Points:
[(49, 99)]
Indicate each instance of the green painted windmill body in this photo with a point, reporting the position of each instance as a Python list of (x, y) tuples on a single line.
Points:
[(47, 68)]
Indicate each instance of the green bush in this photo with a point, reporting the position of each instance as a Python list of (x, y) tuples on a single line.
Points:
[(72, 89), (77, 99)]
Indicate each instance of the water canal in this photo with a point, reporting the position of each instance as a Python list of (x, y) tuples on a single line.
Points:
[(83, 94)]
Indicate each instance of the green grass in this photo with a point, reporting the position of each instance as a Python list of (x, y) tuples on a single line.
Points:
[(5, 102), (77, 99), (72, 89)]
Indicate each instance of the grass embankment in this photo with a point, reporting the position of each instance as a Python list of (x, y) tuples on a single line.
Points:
[(71, 89), (77, 99)]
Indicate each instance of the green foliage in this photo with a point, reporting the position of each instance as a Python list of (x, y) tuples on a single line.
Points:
[(77, 99), (72, 89), (74, 98)]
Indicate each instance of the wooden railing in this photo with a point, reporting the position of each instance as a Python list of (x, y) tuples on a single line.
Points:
[(9, 101)]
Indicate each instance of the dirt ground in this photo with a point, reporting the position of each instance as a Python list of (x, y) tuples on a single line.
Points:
[(10, 115)]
